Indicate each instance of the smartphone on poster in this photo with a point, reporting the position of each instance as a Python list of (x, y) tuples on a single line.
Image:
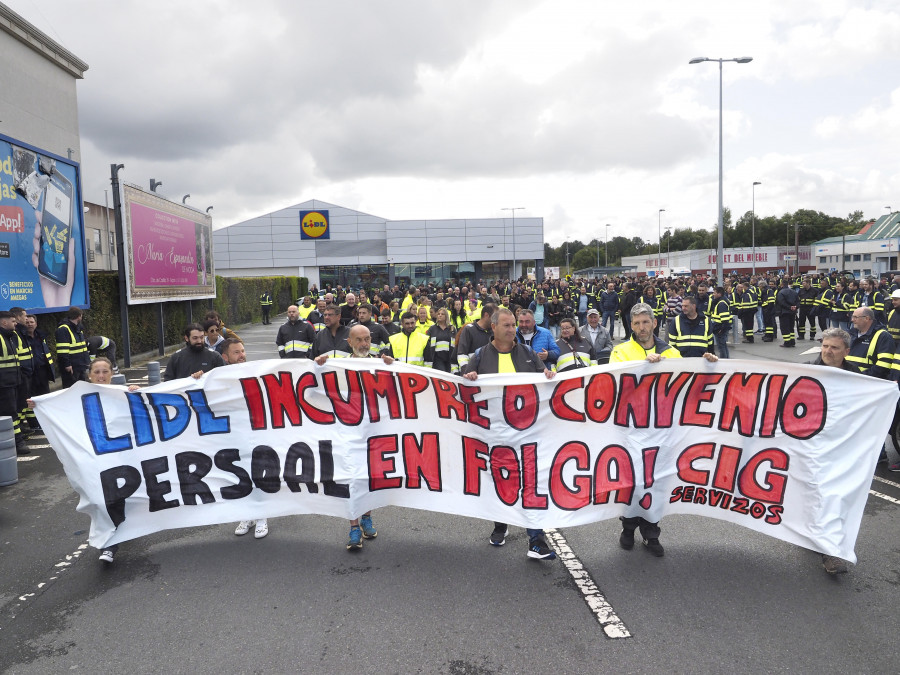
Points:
[(56, 229)]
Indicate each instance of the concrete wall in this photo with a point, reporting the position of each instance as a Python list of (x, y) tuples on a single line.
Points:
[(38, 103)]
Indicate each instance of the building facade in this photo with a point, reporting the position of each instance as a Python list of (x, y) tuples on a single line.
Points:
[(736, 261), (38, 102), (331, 244), (874, 250)]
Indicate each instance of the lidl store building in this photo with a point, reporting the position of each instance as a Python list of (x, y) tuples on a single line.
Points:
[(331, 244)]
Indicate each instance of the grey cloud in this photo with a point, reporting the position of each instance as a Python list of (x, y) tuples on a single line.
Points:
[(593, 116)]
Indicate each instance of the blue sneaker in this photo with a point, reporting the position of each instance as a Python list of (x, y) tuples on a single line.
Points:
[(368, 529), (538, 549), (355, 542)]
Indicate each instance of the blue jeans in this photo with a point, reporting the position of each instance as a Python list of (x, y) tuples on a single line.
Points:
[(760, 324), (611, 316), (722, 344)]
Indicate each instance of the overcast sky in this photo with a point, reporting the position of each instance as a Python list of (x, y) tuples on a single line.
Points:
[(583, 112)]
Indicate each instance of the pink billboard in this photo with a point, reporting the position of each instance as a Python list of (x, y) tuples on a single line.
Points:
[(169, 249), (165, 248)]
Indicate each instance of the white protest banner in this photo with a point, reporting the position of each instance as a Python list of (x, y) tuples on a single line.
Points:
[(786, 450)]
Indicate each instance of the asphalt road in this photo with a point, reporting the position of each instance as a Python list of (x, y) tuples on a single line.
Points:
[(429, 595)]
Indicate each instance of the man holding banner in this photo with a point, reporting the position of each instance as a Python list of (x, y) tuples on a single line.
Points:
[(835, 348), (360, 341), (645, 345), (503, 354), (233, 352)]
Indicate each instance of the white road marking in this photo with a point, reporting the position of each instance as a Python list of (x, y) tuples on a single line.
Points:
[(38, 446), (606, 616), (27, 458), (886, 481), (884, 496), (59, 567)]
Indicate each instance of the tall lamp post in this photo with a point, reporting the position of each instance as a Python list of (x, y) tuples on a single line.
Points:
[(659, 238), (668, 245), (721, 243), (606, 252), (753, 224), (513, 209)]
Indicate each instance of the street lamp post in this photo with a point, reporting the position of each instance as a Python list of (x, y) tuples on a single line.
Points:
[(513, 209), (721, 243), (668, 244), (659, 237), (606, 252), (753, 224)]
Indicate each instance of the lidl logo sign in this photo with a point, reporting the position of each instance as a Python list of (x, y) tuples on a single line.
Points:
[(314, 225)]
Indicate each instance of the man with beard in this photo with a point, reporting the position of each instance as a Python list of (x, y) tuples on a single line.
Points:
[(348, 310), (194, 358), (380, 336), (359, 339)]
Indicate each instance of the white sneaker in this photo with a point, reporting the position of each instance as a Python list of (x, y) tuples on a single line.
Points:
[(243, 527), (262, 529), (108, 555)]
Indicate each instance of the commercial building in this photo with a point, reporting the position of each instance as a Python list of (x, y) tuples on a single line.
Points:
[(736, 261), (38, 102), (874, 250), (331, 244)]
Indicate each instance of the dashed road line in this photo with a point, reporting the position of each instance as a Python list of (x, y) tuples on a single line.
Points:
[(58, 569), (884, 496), (886, 481), (27, 458), (606, 616)]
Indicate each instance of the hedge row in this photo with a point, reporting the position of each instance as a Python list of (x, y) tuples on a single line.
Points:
[(236, 301)]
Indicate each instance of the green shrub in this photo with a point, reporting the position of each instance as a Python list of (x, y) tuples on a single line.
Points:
[(236, 301)]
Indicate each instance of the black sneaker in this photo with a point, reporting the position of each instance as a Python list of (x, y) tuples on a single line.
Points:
[(498, 536), (538, 549), (655, 547), (626, 539)]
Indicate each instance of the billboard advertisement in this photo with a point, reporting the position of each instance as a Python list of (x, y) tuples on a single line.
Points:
[(42, 255), (168, 249)]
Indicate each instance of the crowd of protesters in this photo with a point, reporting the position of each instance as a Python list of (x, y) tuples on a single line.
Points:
[(550, 326)]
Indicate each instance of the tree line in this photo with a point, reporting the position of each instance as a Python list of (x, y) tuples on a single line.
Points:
[(770, 231)]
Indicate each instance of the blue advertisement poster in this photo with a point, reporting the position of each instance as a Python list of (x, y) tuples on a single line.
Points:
[(42, 250)]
